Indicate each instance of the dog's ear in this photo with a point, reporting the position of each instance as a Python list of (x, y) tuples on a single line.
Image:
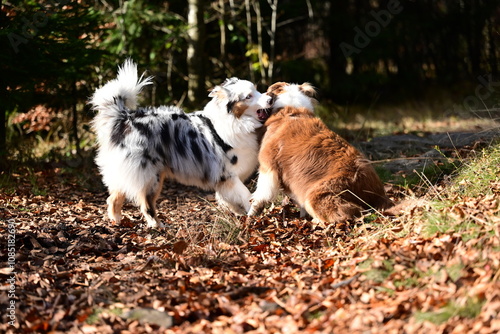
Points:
[(277, 87), (230, 81), (222, 94), (219, 92), (213, 91), (307, 89)]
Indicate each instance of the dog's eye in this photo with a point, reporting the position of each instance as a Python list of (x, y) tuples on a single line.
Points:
[(249, 96)]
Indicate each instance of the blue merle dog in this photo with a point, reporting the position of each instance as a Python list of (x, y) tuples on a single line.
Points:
[(214, 149)]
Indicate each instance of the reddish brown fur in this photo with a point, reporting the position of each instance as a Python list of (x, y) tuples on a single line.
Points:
[(326, 175), (280, 87), (276, 88), (239, 108)]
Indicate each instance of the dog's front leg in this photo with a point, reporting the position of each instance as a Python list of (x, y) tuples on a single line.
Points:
[(267, 188), (234, 195)]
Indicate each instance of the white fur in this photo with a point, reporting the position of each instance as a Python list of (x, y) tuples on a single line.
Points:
[(268, 187), (293, 98), (127, 83), (139, 147)]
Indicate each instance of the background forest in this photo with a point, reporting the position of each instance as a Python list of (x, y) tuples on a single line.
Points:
[(414, 84), (55, 53)]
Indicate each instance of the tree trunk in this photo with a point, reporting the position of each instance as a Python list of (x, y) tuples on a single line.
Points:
[(195, 59), (3, 134), (492, 50), (262, 66), (274, 7), (222, 27), (337, 28), (249, 37), (3, 111), (74, 120)]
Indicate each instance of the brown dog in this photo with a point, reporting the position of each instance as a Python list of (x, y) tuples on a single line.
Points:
[(321, 171)]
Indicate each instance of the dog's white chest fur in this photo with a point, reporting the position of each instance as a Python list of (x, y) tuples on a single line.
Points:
[(247, 160)]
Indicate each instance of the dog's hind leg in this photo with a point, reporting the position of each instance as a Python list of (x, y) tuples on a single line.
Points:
[(330, 206), (147, 201), (115, 202)]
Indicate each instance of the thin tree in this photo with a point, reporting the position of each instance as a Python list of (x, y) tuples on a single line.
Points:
[(262, 61), (272, 34), (196, 40), (222, 27), (249, 36)]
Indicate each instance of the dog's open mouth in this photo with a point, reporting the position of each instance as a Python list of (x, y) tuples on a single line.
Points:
[(263, 114)]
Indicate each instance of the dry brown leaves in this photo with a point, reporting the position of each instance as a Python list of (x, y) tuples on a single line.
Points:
[(76, 272), (36, 119)]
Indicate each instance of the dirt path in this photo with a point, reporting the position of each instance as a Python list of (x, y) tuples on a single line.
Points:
[(408, 152)]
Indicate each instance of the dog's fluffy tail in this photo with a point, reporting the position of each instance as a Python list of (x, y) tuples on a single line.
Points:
[(120, 92)]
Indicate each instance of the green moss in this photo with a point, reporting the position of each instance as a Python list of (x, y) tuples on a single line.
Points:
[(471, 309)]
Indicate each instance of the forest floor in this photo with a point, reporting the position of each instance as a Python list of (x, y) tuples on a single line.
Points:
[(433, 268)]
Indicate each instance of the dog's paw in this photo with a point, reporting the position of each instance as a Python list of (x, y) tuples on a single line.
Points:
[(239, 211), (155, 224), (255, 210), (115, 219)]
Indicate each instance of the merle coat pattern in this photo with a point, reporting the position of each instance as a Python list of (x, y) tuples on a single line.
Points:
[(214, 149)]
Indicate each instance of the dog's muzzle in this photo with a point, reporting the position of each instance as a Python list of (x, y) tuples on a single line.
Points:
[(263, 114)]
